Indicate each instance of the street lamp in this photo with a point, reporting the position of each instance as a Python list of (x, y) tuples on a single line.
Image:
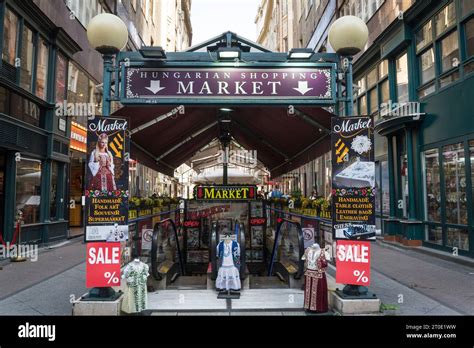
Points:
[(348, 36), (108, 35)]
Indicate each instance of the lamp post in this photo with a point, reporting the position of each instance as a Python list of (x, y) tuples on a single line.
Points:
[(107, 34), (348, 36)]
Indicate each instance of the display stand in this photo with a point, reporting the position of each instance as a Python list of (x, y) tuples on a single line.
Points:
[(228, 294)]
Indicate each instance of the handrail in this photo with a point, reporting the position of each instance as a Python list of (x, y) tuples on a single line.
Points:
[(213, 245), (243, 254), (302, 216), (299, 272), (154, 249)]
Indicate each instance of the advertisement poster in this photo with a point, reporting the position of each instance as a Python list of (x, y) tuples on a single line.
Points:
[(353, 262), (103, 265), (353, 178), (107, 180)]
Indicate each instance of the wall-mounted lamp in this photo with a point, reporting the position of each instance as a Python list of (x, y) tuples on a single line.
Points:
[(153, 52), (228, 53), (300, 53)]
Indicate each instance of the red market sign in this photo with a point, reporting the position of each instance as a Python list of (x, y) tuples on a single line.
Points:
[(353, 262), (150, 85), (103, 265)]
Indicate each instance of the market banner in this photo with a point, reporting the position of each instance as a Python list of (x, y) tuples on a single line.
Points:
[(225, 192), (107, 180), (353, 178)]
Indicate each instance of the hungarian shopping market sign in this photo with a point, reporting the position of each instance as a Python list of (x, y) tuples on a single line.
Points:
[(353, 178), (353, 262), (219, 193), (103, 265), (107, 180), (198, 85)]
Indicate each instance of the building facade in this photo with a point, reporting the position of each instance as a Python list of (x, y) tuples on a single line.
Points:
[(414, 76), (50, 82)]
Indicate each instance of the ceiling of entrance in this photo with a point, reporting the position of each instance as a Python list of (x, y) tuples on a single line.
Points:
[(283, 141)]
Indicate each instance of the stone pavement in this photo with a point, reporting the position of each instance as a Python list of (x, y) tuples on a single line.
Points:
[(448, 283), (417, 284)]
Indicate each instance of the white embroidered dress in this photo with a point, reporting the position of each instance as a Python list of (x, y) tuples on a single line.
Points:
[(228, 277)]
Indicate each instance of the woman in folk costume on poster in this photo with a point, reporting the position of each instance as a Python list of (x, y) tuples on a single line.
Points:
[(101, 164), (228, 253), (316, 287)]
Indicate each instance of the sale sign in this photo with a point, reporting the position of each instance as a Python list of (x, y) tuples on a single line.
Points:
[(353, 262), (103, 265)]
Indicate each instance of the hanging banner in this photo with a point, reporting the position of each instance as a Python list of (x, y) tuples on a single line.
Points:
[(353, 178), (107, 180)]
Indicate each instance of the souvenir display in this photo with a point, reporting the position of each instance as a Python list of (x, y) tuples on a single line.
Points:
[(228, 254), (135, 294), (316, 287)]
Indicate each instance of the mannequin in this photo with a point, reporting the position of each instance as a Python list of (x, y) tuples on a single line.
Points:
[(316, 288), (136, 274), (228, 254)]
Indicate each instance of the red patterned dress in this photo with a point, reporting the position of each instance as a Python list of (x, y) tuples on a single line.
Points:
[(102, 172), (316, 286)]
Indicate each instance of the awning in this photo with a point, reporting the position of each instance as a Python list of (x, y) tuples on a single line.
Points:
[(283, 141)]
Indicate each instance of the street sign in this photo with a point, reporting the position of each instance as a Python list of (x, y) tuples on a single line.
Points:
[(353, 179), (200, 85), (103, 265), (353, 262)]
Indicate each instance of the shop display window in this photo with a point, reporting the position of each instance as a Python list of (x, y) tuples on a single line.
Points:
[(455, 184), (385, 191), (457, 238), (434, 234), (28, 189), (432, 186)]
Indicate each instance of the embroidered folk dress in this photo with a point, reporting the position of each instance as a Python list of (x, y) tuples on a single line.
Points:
[(136, 274), (102, 172), (316, 287), (228, 277)]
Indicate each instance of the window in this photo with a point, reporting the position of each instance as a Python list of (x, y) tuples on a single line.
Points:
[(42, 69), (384, 92), (361, 85), (445, 19), (363, 105), (28, 189), (424, 36), (469, 31), (61, 72), (427, 66), (54, 191), (10, 34), (435, 234), (383, 69), (449, 52), (455, 184), (432, 186), (372, 77), (373, 100), (402, 78), (26, 62), (385, 189), (457, 238), (467, 6)]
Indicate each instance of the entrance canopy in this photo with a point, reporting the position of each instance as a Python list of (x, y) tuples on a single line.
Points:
[(262, 100)]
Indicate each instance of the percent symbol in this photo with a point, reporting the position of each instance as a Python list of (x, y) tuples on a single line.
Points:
[(360, 276), (111, 278)]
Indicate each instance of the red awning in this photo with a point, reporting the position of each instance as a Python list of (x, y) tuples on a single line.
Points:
[(283, 142)]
